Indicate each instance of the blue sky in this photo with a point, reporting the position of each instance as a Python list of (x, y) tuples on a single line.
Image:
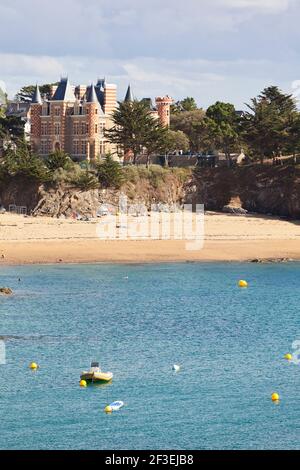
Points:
[(225, 50)]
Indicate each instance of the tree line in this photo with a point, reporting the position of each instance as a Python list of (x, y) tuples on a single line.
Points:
[(268, 128)]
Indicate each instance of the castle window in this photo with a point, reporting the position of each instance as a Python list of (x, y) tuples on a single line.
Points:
[(83, 128), (96, 111), (56, 129), (57, 111), (102, 147), (102, 127), (43, 128), (43, 147), (76, 147), (86, 110), (96, 128), (83, 147)]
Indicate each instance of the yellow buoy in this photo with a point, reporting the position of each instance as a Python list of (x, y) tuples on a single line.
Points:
[(275, 397), (33, 366), (288, 356), (108, 409), (82, 383), (243, 283)]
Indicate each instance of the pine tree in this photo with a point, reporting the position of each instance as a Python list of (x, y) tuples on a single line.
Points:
[(271, 124), (135, 129)]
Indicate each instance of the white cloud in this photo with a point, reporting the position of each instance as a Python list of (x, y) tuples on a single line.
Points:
[(275, 6), (210, 49), (206, 80)]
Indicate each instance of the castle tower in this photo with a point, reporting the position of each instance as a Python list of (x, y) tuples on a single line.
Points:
[(163, 104), (110, 98), (63, 97), (93, 111), (35, 119)]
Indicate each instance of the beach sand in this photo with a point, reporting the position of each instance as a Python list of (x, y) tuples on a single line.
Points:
[(227, 237)]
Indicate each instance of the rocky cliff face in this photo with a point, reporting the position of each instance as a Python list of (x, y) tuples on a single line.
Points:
[(264, 190), (55, 201)]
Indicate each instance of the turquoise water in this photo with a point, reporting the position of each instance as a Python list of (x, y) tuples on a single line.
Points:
[(138, 320)]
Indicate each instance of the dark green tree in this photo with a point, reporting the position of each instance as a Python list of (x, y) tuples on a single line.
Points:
[(11, 128), (109, 173), (174, 142), (18, 161), (134, 129), (223, 128), (86, 181), (26, 92), (187, 104), (271, 124), (192, 123), (58, 159)]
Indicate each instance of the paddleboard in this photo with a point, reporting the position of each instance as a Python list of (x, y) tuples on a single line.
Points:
[(116, 405)]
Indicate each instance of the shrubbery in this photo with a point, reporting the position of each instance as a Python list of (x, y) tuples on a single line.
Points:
[(109, 173), (58, 160), (20, 162), (58, 168), (86, 180)]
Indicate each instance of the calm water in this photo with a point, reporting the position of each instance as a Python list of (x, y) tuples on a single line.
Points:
[(229, 341)]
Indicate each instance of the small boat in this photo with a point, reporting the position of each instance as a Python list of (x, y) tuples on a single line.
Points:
[(115, 406), (95, 374)]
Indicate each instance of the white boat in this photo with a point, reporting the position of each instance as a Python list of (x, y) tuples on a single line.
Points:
[(116, 405)]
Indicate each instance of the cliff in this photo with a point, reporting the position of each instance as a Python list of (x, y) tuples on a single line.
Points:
[(264, 190), (261, 189)]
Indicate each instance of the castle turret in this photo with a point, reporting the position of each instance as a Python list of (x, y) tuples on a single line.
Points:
[(35, 119), (110, 98), (129, 95), (94, 113), (163, 104)]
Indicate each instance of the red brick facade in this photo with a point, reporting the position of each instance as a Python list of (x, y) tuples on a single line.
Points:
[(74, 119), (73, 124), (163, 104)]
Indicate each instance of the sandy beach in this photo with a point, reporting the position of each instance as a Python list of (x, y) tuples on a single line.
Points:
[(227, 237)]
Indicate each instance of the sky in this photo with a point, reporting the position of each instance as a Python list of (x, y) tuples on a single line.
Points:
[(226, 50)]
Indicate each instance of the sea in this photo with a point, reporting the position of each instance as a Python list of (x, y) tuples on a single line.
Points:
[(137, 321)]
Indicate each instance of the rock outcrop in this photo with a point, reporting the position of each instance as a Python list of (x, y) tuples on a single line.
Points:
[(5, 291), (253, 188), (261, 189)]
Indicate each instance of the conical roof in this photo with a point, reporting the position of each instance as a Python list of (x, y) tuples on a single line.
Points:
[(36, 97), (129, 95), (91, 95), (64, 91)]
